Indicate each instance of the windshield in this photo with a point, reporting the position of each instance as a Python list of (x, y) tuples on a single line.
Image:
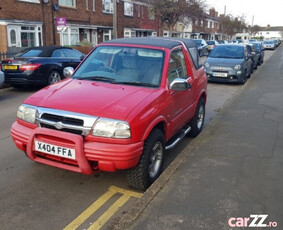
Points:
[(123, 65), (228, 51), (269, 42)]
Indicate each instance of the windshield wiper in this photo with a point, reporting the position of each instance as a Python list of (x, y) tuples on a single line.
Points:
[(98, 78), (137, 83)]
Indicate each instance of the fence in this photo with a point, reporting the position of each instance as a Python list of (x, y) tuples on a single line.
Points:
[(6, 55)]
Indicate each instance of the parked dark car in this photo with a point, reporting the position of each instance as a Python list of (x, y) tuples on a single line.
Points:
[(202, 47), (253, 55), (40, 65), (228, 63), (260, 50)]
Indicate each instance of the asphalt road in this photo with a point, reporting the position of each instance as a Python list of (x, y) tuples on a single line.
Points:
[(35, 196)]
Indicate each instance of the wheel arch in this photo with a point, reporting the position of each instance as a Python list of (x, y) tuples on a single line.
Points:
[(159, 123)]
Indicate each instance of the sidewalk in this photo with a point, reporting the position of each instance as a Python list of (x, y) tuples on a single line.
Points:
[(233, 169)]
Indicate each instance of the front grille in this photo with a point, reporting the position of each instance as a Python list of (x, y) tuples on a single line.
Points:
[(70, 122), (218, 71), (65, 120)]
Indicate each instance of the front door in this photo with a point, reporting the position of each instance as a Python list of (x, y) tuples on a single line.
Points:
[(14, 36), (180, 101)]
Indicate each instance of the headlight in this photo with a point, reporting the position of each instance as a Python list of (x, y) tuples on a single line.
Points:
[(206, 65), (27, 113), (236, 67), (111, 128)]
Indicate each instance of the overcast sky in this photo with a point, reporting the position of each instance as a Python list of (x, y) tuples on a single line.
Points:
[(264, 11)]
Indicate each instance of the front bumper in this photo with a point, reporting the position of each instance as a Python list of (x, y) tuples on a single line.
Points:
[(91, 157), (231, 75)]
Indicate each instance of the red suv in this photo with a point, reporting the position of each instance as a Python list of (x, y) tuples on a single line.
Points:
[(127, 102)]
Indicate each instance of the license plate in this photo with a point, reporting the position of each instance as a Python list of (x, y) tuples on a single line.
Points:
[(10, 67), (55, 150), (220, 74)]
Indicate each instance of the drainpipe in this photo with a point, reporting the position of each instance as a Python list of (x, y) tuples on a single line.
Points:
[(53, 20)]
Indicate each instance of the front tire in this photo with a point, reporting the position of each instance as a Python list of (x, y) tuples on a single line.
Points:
[(198, 120), (150, 165), (54, 77), (244, 78)]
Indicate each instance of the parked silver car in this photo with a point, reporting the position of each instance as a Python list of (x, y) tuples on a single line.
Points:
[(229, 63), (2, 78), (269, 44)]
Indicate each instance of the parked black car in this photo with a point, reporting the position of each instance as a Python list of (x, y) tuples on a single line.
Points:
[(202, 47), (40, 65), (228, 63), (260, 50), (253, 55)]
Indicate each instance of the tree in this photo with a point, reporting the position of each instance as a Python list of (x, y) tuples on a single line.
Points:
[(170, 12), (255, 29)]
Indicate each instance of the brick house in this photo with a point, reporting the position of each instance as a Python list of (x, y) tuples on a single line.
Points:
[(28, 23), (208, 28)]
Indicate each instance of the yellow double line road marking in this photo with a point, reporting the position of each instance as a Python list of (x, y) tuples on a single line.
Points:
[(112, 190)]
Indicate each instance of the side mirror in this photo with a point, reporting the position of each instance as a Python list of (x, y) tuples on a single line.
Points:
[(179, 84), (68, 72)]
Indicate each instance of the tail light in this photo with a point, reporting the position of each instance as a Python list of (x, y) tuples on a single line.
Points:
[(30, 67)]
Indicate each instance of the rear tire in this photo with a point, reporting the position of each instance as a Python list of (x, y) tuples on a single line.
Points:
[(198, 120), (150, 165)]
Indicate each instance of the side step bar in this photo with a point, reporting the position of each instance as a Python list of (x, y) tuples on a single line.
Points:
[(178, 138)]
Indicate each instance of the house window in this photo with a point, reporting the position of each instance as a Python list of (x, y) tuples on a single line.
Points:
[(93, 5), (70, 36), (107, 6), (127, 33), (86, 4), (128, 9), (107, 35), (32, 1), (68, 3), (139, 10), (165, 33), (151, 14)]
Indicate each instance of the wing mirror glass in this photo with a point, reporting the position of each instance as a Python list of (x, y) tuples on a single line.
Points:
[(68, 72)]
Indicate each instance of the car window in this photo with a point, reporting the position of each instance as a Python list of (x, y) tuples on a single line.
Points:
[(73, 53), (58, 53), (195, 57), (177, 66), (32, 53)]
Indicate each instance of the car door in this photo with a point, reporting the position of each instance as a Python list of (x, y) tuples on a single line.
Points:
[(180, 101)]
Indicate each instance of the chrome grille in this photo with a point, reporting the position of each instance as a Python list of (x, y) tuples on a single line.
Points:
[(76, 123)]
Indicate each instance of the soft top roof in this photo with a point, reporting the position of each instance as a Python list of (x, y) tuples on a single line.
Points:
[(155, 41), (46, 50)]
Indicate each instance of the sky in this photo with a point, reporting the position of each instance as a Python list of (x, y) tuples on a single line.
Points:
[(264, 12)]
